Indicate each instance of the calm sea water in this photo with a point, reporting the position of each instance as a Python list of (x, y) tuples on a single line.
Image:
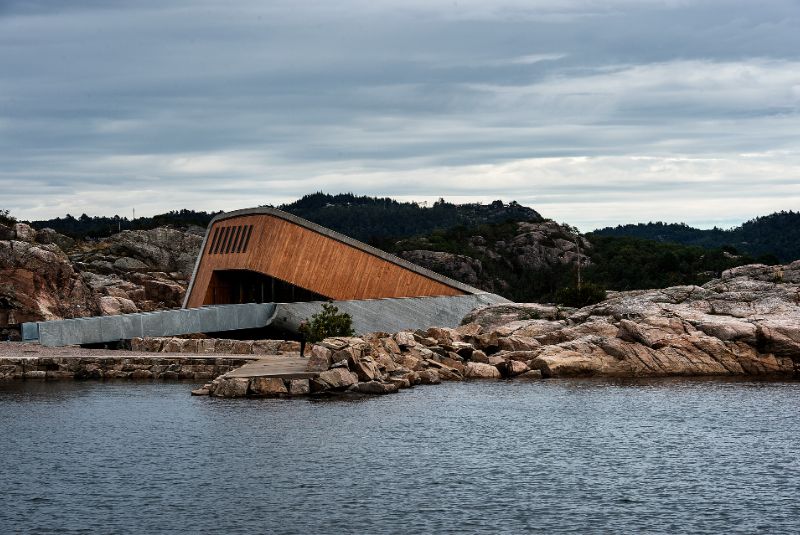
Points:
[(553, 456)]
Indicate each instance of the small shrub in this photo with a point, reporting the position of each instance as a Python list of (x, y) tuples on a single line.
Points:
[(328, 322), (768, 259), (587, 294)]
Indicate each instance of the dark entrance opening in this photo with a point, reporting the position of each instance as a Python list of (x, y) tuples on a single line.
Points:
[(237, 286)]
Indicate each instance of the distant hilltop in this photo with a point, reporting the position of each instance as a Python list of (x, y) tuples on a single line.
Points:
[(378, 219), (368, 219), (382, 221), (776, 234)]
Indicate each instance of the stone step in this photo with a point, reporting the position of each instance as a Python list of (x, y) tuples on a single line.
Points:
[(284, 366)]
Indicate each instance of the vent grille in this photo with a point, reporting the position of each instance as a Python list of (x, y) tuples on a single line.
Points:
[(231, 239)]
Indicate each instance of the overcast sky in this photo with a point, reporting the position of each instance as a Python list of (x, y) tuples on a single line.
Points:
[(594, 112)]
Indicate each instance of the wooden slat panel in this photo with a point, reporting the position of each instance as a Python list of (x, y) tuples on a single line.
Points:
[(310, 260)]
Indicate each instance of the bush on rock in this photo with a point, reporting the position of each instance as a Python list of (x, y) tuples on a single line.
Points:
[(327, 323)]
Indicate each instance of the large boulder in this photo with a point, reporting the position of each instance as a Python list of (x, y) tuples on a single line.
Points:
[(230, 387), (148, 291), (563, 362), (48, 235), (161, 249), (479, 356), (428, 377), (38, 282), (299, 387), (376, 387), (512, 368), (497, 316), (780, 336), (459, 267), (268, 387), (478, 370), (110, 306), (164, 290), (405, 339), (518, 343), (320, 359), (338, 378), (126, 263), (24, 232), (365, 368)]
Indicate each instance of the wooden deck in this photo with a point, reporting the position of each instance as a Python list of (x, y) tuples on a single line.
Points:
[(284, 366)]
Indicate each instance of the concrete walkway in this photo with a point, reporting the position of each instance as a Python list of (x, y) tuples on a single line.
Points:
[(288, 366), (24, 349)]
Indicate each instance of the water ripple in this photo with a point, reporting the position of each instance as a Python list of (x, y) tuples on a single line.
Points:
[(664, 456)]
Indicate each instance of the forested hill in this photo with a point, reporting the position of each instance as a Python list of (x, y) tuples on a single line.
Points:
[(103, 226), (368, 219), (534, 262), (776, 234), (382, 220), (375, 219)]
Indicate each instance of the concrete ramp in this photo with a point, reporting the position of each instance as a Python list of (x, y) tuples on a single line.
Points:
[(100, 329)]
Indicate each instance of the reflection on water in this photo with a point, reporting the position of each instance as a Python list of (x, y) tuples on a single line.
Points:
[(666, 456)]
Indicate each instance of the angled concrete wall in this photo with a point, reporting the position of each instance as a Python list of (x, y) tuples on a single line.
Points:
[(99, 329), (391, 315), (387, 315)]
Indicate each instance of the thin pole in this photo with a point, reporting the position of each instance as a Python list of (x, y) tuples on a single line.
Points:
[(580, 261)]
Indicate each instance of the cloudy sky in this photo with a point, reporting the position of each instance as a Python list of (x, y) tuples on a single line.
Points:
[(594, 112)]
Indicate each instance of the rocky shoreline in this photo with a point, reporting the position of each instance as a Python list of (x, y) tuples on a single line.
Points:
[(747, 323)]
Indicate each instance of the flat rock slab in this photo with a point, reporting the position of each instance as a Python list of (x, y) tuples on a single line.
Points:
[(285, 367)]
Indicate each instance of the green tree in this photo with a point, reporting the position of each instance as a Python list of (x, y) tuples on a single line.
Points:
[(6, 218), (585, 295), (328, 322)]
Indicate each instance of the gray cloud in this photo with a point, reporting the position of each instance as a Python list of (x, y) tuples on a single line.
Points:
[(593, 112)]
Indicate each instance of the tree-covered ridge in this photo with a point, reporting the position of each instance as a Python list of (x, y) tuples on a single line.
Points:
[(616, 263), (625, 263), (775, 234), (103, 226), (373, 219), (364, 218), (382, 220)]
